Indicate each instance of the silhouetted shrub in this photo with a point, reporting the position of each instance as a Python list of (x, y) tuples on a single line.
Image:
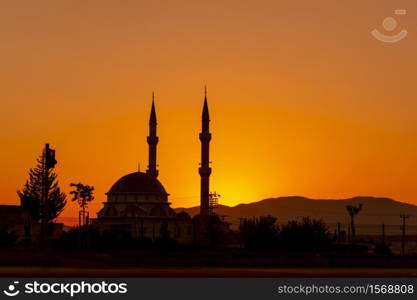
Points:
[(111, 239), (259, 233), (7, 237), (307, 235), (262, 233), (219, 232), (383, 249), (164, 242)]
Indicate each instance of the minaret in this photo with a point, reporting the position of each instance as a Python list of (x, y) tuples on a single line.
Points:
[(205, 170), (152, 142)]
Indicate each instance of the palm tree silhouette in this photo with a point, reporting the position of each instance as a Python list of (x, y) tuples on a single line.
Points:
[(83, 194), (353, 211)]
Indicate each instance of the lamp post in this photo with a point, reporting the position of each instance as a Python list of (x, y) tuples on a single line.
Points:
[(403, 217)]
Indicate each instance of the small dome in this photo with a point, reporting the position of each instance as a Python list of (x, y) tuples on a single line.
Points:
[(137, 183), (182, 215)]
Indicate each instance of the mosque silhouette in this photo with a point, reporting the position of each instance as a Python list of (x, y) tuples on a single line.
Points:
[(138, 202)]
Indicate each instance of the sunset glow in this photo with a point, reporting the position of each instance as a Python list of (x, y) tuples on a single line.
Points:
[(297, 107)]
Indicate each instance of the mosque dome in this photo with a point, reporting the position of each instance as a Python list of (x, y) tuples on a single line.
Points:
[(137, 183), (182, 215)]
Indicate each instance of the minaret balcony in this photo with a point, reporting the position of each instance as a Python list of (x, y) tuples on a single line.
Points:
[(205, 136), (152, 140), (204, 171)]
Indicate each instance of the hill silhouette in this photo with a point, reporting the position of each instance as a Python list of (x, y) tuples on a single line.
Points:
[(375, 210)]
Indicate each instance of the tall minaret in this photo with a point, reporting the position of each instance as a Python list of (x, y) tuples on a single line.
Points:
[(152, 142), (205, 170)]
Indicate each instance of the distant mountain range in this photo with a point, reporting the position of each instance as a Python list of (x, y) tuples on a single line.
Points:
[(375, 210)]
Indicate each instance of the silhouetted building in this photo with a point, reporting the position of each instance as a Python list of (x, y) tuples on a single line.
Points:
[(138, 202), (16, 220)]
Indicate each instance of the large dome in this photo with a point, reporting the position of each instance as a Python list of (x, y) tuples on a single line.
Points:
[(137, 183)]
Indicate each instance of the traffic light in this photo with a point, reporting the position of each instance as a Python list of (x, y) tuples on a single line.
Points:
[(50, 157)]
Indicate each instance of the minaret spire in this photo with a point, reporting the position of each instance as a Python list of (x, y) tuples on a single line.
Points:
[(205, 170), (206, 115), (152, 119), (152, 141)]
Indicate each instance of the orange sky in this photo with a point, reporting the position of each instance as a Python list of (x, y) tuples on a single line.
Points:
[(303, 100)]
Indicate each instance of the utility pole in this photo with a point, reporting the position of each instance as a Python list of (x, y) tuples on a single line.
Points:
[(403, 217), (383, 234), (49, 162), (240, 232), (338, 232), (349, 235), (44, 202)]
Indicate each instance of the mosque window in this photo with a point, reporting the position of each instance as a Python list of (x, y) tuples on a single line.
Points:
[(157, 211)]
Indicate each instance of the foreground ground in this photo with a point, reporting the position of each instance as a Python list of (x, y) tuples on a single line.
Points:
[(203, 272), (21, 262)]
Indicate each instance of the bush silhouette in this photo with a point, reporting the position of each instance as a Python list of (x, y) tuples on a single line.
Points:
[(259, 233), (7, 237), (307, 235), (262, 233), (383, 249)]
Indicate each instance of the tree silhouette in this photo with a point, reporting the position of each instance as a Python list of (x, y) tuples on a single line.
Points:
[(83, 194), (259, 233), (263, 233), (353, 211), (307, 235), (31, 194)]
